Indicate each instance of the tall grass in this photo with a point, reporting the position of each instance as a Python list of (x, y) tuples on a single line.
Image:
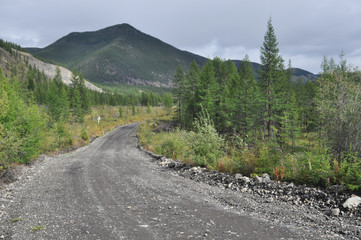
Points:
[(311, 164), (65, 135)]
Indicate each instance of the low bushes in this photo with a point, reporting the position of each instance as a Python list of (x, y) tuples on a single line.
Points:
[(205, 147), (21, 125)]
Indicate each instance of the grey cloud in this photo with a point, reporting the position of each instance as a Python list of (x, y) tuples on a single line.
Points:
[(306, 30)]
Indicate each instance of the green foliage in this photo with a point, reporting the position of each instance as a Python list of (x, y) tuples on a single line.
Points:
[(79, 98), (62, 135), (178, 91), (57, 98), (272, 80), (84, 134), (149, 110), (9, 46), (350, 171), (168, 102), (338, 103), (133, 108), (16, 219), (37, 228), (120, 110), (208, 144), (21, 124)]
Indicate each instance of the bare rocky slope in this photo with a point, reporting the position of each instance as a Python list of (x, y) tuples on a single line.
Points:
[(50, 70), (6, 60)]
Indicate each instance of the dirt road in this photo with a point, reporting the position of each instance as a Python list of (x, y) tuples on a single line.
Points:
[(111, 190)]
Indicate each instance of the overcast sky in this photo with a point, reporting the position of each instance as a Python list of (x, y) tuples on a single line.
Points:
[(306, 30)]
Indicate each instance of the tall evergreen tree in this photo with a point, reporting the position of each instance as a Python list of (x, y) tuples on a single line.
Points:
[(206, 90), (191, 83), (178, 91), (249, 98), (272, 67), (76, 97)]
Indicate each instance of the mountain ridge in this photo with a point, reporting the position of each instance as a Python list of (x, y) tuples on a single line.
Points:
[(123, 54)]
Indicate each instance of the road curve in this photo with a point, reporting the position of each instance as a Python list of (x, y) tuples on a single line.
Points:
[(111, 190)]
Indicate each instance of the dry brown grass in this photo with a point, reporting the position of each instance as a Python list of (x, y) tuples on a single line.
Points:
[(80, 134)]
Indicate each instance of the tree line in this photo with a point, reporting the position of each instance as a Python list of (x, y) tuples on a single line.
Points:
[(74, 101), (272, 108), (274, 116)]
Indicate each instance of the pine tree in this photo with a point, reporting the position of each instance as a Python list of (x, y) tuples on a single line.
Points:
[(178, 92), (168, 102), (249, 95), (77, 110), (76, 98), (272, 67), (206, 89), (190, 84), (84, 95)]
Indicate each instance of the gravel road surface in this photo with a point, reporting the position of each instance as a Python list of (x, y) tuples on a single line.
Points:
[(112, 190)]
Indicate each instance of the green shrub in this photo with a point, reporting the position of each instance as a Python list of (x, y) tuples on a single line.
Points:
[(208, 145), (350, 171), (84, 134), (22, 124), (64, 138)]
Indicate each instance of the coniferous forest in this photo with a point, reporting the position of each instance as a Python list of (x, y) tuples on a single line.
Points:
[(305, 132)]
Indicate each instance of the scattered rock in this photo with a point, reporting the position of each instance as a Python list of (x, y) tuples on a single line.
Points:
[(267, 179), (245, 180), (258, 179), (244, 190), (238, 176), (335, 212), (352, 202), (265, 175), (333, 201)]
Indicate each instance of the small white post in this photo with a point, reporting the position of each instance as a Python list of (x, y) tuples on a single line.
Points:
[(98, 118)]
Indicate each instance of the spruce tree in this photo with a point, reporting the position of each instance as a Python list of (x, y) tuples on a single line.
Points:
[(191, 82), (272, 67), (206, 89), (178, 91), (76, 98), (249, 106)]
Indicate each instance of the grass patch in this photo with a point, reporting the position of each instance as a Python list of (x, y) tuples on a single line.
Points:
[(37, 228), (16, 219), (67, 135)]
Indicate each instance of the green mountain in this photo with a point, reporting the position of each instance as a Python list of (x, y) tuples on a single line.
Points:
[(119, 54)]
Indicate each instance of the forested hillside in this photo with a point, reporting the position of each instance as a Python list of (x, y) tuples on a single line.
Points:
[(305, 132), (118, 54), (42, 114), (121, 54)]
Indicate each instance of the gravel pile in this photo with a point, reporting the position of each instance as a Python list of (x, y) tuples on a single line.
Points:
[(337, 210)]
